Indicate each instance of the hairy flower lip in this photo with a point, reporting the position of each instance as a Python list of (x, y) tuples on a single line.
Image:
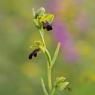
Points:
[(47, 26), (34, 53)]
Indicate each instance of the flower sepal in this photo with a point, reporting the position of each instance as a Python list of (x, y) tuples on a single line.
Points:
[(38, 44), (39, 12), (60, 83), (42, 20)]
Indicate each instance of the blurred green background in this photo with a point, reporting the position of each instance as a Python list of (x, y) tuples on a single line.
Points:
[(18, 75)]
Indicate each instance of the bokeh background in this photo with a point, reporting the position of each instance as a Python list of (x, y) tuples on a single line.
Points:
[(73, 26)]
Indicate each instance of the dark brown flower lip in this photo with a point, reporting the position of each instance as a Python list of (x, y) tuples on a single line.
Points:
[(47, 26), (33, 53)]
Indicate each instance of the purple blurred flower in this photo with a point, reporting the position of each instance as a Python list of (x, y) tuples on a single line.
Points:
[(61, 34), (64, 37)]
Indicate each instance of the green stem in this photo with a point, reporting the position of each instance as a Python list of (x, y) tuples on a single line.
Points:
[(42, 37), (48, 56), (49, 78), (49, 69), (53, 91)]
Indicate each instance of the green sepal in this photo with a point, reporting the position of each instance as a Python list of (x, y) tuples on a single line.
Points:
[(39, 12), (60, 83), (36, 16), (62, 86), (40, 16), (48, 17), (38, 44)]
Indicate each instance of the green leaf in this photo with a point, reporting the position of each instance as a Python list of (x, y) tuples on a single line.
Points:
[(56, 54)]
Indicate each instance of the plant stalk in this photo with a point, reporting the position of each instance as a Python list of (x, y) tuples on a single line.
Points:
[(49, 69), (49, 78)]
